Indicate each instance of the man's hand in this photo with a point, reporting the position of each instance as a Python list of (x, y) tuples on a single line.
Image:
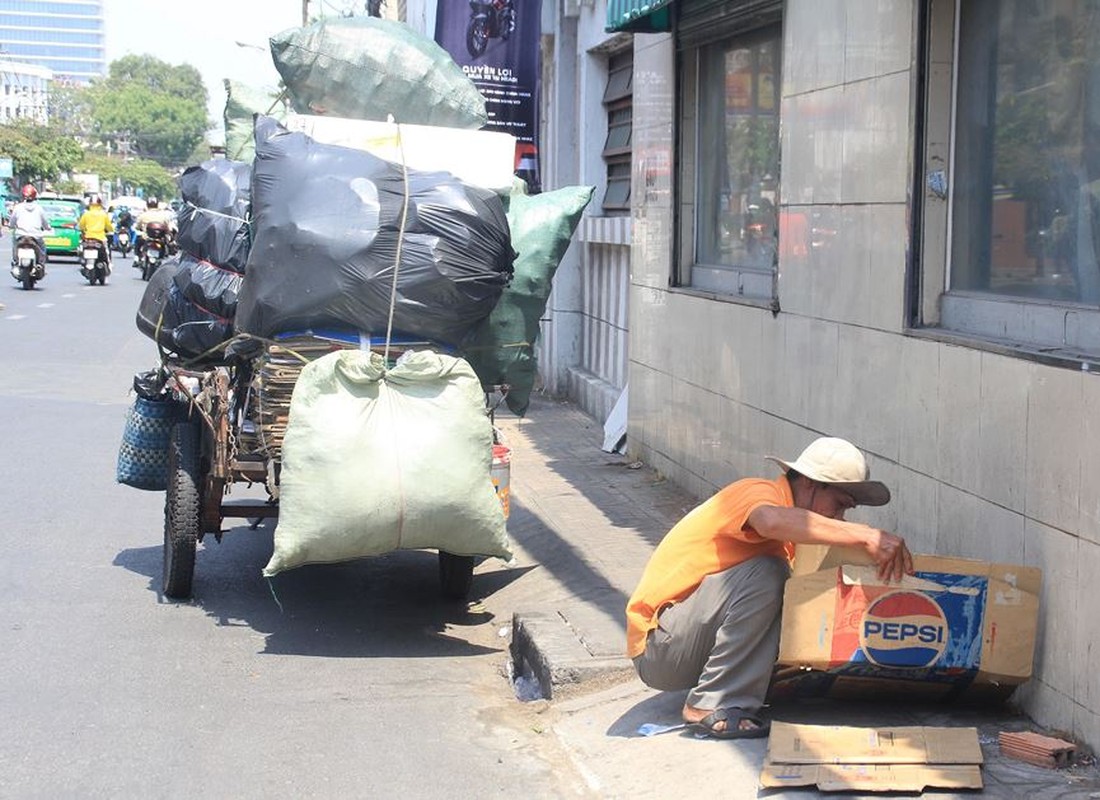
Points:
[(891, 555)]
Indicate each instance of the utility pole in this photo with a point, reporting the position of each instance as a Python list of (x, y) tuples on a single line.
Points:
[(305, 13)]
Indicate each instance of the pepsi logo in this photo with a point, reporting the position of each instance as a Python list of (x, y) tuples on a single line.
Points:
[(903, 629)]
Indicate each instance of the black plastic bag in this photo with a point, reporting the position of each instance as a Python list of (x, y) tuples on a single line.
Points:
[(212, 288), (326, 224), (213, 223), (150, 384), (179, 325)]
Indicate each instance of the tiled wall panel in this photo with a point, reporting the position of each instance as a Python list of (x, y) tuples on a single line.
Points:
[(987, 456)]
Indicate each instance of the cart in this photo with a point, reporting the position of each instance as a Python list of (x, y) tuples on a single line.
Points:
[(229, 432)]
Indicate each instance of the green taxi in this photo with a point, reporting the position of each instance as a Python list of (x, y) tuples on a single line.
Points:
[(63, 216)]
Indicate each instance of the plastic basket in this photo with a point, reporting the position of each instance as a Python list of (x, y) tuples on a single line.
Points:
[(143, 454)]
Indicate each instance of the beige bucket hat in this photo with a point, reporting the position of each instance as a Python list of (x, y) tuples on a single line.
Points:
[(838, 462)]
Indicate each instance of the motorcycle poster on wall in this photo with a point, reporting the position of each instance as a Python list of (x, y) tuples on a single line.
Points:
[(496, 43)]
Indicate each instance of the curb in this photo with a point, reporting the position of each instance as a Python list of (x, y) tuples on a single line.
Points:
[(545, 647)]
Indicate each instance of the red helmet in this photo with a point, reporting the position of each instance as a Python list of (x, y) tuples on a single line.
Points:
[(29, 192)]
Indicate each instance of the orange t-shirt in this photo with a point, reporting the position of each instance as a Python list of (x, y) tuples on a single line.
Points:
[(712, 537)]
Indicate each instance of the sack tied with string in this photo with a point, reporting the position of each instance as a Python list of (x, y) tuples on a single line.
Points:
[(377, 460), (327, 222), (213, 223), (369, 68), (188, 307)]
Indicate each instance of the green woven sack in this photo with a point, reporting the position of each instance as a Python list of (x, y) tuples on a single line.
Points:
[(377, 459), (242, 102), (368, 68), (502, 348)]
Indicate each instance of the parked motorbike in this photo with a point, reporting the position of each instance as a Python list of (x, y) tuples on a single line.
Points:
[(489, 19), (156, 247), (123, 241), (27, 269), (95, 262)]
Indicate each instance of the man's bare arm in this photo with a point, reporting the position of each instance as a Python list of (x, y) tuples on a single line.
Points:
[(800, 526)]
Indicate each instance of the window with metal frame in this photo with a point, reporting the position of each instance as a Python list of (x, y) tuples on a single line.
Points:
[(618, 100), (729, 78), (1010, 220)]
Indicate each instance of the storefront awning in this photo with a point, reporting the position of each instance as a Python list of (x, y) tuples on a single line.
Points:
[(639, 16)]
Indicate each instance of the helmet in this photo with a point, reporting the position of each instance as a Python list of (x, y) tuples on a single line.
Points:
[(29, 192), (151, 202), (97, 200)]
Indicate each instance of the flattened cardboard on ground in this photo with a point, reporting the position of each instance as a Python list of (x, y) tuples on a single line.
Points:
[(959, 626), (871, 777), (840, 758)]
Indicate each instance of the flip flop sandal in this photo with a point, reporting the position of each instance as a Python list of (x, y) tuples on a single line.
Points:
[(732, 717)]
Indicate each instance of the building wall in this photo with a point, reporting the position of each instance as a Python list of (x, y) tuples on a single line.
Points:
[(988, 456), (65, 36), (24, 92), (600, 372), (582, 347), (583, 341)]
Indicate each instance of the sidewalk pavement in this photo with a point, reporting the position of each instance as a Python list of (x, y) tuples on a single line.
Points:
[(584, 523)]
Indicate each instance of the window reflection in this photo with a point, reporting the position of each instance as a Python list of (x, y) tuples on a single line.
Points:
[(1026, 201), (738, 147)]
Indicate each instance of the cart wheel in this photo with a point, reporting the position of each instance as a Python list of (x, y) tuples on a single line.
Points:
[(456, 574), (182, 509)]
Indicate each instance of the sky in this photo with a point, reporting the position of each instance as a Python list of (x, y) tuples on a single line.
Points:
[(205, 34)]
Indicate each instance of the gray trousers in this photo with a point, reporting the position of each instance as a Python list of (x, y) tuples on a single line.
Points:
[(721, 642)]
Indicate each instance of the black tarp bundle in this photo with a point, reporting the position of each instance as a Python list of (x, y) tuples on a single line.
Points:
[(213, 223), (188, 307), (326, 225), (189, 304)]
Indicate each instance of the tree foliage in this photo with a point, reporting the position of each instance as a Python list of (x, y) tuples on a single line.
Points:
[(182, 81), (149, 108), (145, 117), (133, 173), (38, 152), (69, 111)]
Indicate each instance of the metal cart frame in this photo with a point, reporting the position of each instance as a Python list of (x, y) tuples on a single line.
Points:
[(204, 463)]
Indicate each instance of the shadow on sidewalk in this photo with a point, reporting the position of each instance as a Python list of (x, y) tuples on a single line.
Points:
[(588, 518), (636, 498)]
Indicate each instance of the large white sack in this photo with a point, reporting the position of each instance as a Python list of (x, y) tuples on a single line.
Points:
[(376, 460), (481, 158)]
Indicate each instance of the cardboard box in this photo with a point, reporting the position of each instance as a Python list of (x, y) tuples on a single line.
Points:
[(956, 627), (901, 759)]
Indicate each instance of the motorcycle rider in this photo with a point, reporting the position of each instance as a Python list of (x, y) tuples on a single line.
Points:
[(28, 218), (123, 220), (153, 213), (95, 223)]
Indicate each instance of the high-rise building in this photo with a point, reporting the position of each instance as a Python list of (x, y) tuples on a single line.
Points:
[(65, 36)]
